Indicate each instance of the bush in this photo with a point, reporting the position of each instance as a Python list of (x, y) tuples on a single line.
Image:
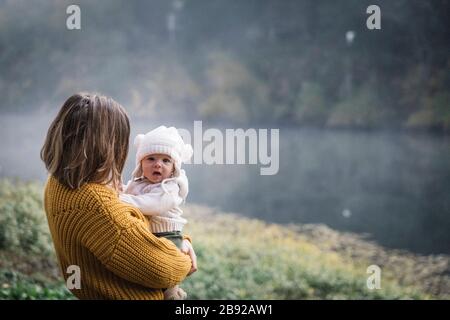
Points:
[(364, 109), (23, 225), (15, 285), (435, 113), (311, 104), (233, 92)]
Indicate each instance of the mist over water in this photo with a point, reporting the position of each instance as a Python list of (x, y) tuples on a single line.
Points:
[(392, 186), (284, 63)]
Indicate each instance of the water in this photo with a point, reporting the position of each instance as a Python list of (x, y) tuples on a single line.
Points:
[(392, 186)]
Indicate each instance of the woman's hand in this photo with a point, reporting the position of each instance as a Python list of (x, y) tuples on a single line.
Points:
[(186, 247)]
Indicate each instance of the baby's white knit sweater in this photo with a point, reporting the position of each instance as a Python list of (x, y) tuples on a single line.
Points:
[(160, 201)]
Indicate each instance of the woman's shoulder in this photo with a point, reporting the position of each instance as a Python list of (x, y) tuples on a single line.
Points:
[(90, 193), (90, 198)]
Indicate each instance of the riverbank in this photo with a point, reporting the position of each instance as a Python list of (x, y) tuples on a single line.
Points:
[(239, 258), (317, 249)]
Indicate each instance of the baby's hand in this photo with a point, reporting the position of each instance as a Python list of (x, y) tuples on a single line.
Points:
[(183, 184)]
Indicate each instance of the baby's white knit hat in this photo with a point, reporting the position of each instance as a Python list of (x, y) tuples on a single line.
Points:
[(161, 140)]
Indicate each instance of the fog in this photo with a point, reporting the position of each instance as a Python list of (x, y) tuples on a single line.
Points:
[(364, 124), (392, 187)]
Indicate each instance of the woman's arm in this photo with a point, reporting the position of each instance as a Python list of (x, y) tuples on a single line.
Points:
[(153, 262), (128, 249)]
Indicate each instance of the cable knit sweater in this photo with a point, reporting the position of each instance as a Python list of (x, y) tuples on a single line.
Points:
[(109, 240)]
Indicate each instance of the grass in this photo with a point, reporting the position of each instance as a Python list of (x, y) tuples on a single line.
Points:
[(239, 258), (15, 285)]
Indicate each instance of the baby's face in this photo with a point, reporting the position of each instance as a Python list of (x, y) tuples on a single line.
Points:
[(157, 167)]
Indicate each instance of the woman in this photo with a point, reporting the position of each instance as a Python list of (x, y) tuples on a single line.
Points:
[(118, 258)]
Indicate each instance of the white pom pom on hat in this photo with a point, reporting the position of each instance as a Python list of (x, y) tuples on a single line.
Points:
[(138, 140), (186, 152), (164, 140)]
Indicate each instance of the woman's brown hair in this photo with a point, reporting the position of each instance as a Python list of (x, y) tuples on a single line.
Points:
[(87, 141)]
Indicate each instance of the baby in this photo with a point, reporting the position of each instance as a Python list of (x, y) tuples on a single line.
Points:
[(159, 186)]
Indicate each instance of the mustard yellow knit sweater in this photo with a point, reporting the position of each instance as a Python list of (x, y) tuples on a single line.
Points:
[(118, 257)]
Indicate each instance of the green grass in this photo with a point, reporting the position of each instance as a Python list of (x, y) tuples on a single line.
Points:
[(238, 258), (242, 258), (15, 285)]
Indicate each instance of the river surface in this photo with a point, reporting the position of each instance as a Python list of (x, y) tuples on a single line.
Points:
[(393, 187)]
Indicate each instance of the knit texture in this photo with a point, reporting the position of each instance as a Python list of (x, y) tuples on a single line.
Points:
[(109, 240)]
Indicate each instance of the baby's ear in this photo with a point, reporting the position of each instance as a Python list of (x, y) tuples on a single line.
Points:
[(138, 140)]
